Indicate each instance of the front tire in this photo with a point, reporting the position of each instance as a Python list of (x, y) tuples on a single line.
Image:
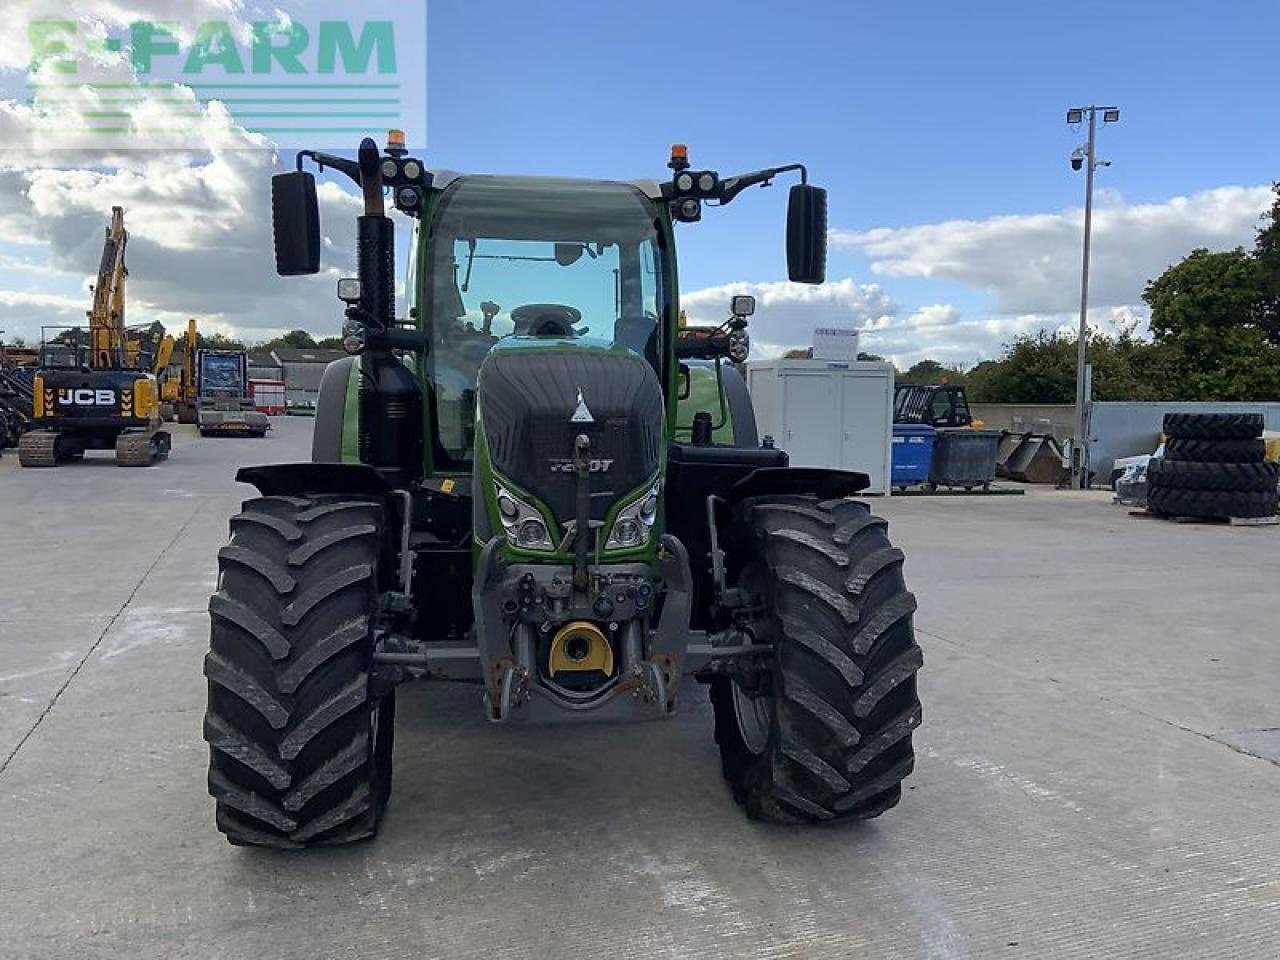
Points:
[(300, 745), (823, 730)]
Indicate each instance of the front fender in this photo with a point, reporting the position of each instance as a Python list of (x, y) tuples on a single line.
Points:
[(820, 482), (302, 479)]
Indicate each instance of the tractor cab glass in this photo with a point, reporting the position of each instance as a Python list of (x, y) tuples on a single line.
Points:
[(535, 261)]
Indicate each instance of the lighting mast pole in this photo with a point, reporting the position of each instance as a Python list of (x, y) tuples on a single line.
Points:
[(1087, 157)]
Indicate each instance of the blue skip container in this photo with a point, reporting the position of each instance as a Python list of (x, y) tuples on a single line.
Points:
[(912, 453)]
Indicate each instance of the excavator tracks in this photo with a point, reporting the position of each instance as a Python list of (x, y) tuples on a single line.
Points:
[(140, 449), (38, 448)]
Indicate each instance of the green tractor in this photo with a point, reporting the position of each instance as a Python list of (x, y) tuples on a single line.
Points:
[(502, 492)]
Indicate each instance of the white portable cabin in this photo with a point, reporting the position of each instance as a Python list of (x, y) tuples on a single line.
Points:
[(828, 413)]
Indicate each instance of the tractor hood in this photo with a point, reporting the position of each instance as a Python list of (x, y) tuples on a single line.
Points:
[(537, 396)]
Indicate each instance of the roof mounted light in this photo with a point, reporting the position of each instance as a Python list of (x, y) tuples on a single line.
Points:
[(1075, 115), (679, 157), (396, 143), (1111, 116)]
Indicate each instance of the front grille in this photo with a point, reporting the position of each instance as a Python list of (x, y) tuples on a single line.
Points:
[(528, 398)]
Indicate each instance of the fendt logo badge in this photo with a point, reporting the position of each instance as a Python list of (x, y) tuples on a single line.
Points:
[(566, 466), (87, 398), (582, 413)]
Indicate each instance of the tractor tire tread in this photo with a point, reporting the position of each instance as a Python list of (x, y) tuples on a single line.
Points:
[(299, 745), (1213, 426), (1215, 451), (844, 701), (1212, 504), (1231, 477)]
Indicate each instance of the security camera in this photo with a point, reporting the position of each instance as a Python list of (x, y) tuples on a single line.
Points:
[(1077, 163)]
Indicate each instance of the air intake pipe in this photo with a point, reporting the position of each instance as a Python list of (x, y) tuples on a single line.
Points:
[(391, 421)]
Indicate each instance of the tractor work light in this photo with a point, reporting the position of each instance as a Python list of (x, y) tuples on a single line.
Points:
[(521, 522), (532, 534), (390, 170), (1075, 116), (628, 533), (349, 290), (1111, 116), (743, 305), (684, 182), (634, 522), (689, 210), (739, 346), (708, 182)]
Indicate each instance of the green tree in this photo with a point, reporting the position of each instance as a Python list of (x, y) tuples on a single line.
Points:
[(218, 341), (207, 341), (1267, 253), (931, 371), (294, 339), (1211, 309), (978, 382), (329, 343)]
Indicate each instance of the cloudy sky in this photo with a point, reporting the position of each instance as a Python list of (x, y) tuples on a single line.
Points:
[(938, 128)]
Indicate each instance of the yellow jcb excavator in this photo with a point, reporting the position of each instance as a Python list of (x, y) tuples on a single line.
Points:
[(103, 400)]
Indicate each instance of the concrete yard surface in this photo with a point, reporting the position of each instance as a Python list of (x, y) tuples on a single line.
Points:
[(1098, 773)]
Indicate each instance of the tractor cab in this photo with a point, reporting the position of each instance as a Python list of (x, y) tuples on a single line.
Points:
[(539, 267)]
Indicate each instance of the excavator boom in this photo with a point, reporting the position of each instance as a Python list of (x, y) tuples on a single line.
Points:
[(108, 341)]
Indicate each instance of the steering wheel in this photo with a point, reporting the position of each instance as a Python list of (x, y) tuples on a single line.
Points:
[(545, 320)]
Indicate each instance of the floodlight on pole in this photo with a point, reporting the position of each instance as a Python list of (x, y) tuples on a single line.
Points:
[(1085, 156)]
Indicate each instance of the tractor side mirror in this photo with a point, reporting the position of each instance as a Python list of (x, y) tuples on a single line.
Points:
[(295, 223), (807, 234)]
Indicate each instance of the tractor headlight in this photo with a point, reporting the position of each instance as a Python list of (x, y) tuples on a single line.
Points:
[(531, 533), (634, 522), (521, 522)]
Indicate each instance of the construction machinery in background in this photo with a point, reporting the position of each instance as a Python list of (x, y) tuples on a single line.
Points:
[(101, 395), (509, 504), (212, 391), (224, 406), (17, 374), (184, 390), (937, 405)]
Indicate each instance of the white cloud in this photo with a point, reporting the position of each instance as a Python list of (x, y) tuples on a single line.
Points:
[(1031, 263), (941, 332), (787, 313), (200, 233)]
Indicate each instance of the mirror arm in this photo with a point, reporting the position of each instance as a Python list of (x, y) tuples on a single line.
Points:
[(322, 160), (730, 187)]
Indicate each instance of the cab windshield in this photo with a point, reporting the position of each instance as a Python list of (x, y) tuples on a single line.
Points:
[(536, 258)]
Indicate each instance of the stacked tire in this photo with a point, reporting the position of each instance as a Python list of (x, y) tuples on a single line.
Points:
[(1214, 466)]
